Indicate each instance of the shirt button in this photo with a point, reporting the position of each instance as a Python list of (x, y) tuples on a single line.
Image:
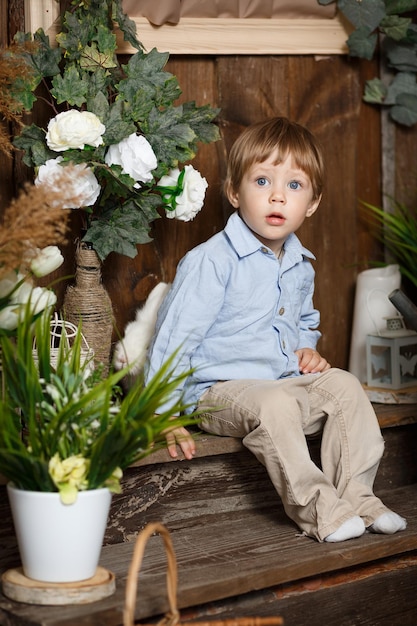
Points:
[(283, 345), (281, 311)]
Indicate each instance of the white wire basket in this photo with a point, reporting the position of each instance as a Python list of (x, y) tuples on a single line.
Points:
[(62, 330)]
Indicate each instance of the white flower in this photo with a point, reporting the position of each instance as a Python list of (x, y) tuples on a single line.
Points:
[(39, 298), (8, 283), (9, 317), (80, 182), (74, 129), (22, 297), (189, 201), (69, 475), (46, 261), (136, 157)]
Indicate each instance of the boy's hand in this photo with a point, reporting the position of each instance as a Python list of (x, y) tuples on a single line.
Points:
[(311, 362), (183, 438)]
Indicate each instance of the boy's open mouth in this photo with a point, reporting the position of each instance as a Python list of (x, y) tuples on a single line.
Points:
[(275, 219)]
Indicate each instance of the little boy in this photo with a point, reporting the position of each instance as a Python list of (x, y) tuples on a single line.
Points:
[(241, 309)]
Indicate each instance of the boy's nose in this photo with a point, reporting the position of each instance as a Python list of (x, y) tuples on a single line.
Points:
[(277, 195)]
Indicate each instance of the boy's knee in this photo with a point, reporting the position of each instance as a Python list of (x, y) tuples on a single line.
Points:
[(345, 381)]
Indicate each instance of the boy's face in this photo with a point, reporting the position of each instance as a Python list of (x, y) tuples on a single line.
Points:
[(274, 200)]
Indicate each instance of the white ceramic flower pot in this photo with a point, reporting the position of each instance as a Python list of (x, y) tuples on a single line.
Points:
[(59, 543)]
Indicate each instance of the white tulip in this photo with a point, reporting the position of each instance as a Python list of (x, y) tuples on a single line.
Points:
[(35, 298), (46, 261), (9, 317)]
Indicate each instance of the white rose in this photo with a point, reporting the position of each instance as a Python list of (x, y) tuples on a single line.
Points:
[(80, 182), (74, 129), (46, 261), (191, 199), (135, 156), (9, 317)]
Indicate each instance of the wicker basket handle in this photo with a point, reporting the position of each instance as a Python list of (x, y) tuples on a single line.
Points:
[(172, 617)]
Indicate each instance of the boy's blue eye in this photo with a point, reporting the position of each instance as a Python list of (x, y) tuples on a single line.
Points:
[(261, 181), (294, 185)]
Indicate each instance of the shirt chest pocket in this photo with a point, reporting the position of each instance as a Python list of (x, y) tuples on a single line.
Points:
[(293, 298)]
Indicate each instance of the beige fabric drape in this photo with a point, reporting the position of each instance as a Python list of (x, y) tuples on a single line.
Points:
[(171, 11)]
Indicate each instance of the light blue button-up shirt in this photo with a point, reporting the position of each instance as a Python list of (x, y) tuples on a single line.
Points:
[(236, 312)]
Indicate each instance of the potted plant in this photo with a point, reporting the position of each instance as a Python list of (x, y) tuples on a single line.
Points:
[(66, 435), (397, 230)]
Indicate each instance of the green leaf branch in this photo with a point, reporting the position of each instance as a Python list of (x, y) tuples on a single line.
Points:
[(83, 72), (392, 23)]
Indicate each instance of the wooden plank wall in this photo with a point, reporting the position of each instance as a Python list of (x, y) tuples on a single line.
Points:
[(323, 93)]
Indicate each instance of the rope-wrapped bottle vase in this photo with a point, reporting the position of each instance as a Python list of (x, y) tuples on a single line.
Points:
[(87, 302)]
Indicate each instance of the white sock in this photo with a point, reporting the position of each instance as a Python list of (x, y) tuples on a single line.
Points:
[(353, 527), (388, 523)]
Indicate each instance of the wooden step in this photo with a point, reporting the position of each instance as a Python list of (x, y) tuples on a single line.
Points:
[(239, 555), (237, 551)]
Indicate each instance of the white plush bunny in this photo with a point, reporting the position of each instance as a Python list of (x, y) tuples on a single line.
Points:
[(133, 348)]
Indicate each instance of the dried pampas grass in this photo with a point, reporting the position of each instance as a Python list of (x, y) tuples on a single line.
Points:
[(15, 70), (35, 219)]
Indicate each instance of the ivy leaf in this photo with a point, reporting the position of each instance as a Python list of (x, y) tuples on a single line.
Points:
[(401, 56), (375, 91), (106, 41), (70, 87), (362, 43), (45, 58), (405, 110), (117, 127), (365, 14), (403, 82), (91, 59), (395, 27), (75, 37), (120, 230), (127, 26), (116, 182), (201, 121), (412, 34), (170, 137), (400, 6), (32, 141), (98, 105), (22, 94)]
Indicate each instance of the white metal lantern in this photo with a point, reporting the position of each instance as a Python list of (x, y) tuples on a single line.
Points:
[(391, 356)]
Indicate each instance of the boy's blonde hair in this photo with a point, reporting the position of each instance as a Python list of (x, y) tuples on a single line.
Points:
[(259, 141)]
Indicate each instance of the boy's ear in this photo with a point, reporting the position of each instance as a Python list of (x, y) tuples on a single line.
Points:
[(232, 196), (313, 207)]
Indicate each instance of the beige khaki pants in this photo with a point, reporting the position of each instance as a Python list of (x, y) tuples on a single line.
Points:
[(273, 419)]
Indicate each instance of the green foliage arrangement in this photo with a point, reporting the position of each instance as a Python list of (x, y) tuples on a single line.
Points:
[(128, 118), (79, 431), (397, 229), (393, 23)]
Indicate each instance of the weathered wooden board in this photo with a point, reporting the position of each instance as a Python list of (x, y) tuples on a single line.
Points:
[(237, 553)]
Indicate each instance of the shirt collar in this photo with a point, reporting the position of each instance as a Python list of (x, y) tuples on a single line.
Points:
[(245, 242)]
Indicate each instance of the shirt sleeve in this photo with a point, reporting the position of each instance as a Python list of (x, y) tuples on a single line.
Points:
[(187, 313), (309, 322)]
